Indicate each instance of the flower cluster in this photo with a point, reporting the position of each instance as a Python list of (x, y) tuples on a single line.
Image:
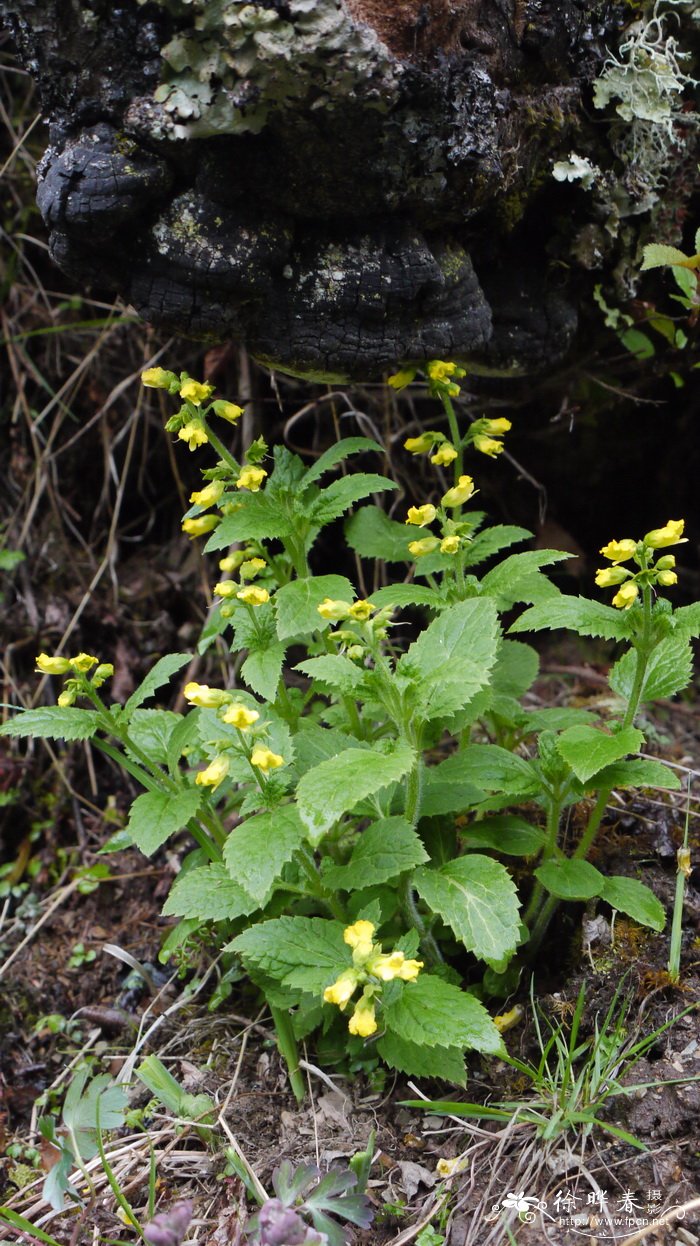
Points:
[(370, 968), (364, 624), (628, 582), (80, 666), (440, 376), (452, 530), (189, 423), (234, 713)]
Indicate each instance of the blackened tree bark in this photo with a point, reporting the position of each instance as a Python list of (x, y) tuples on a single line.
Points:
[(347, 185)]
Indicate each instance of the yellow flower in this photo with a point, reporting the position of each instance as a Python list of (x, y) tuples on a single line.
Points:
[(52, 666), (459, 493), (439, 370), (195, 392), (619, 551), (84, 662), (666, 578), (448, 1167), (251, 478), (402, 378), (239, 716), (332, 610), (227, 410), (355, 652), (670, 534), (363, 1021), (342, 990), (232, 561), (252, 567), (215, 772), (410, 969), (506, 1020), (496, 428), (204, 696), (449, 545), (444, 455), (199, 525), (488, 445), (422, 444), (253, 596), (667, 563), (626, 596), (420, 516), (226, 588), (209, 495), (104, 671), (426, 546), (361, 610), (607, 576), (67, 698), (359, 937), (194, 434), (158, 378), (266, 760)]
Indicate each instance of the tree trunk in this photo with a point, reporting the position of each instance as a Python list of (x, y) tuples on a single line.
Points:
[(348, 185)]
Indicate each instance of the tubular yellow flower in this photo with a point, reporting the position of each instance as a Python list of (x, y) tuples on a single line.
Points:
[(83, 662), (420, 516), (670, 534), (237, 715), (426, 546), (363, 1021), (488, 445), (227, 410), (459, 493), (667, 563), (226, 588), (209, 495), (361, 610), (52, 666), (253, 596), (497, 428), (386, 966), (252, 567), (619, 551), (450, 545), (342, 990), (444, 455), (359, 937), (158, 378), (194, 434), (204, 696), (232, 561), (215, 772), (626, 596), (251, 478), (266, 760), (439, 370), (410, 969), (422, 444), (67, 698), (667, 578), (195, 392), (402, 378), (199, 525), (333, 611), (607, 576)]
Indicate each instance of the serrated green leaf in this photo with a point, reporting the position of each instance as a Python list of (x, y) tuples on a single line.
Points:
[(516, 669), (372, 534), (335, 670), (492, 768), (512, 580), (630, 896), (260, 516), (447, 1063), (256, 851), (305, 953), (343, 493), (640, 772), (476, 897), (385, 849), (440, 798), (158, 675), (576, 614), (433, 1013), (314, 744), (52, 722), (687, 620), (337, 785), (554, 719), (408, 595), (337, 454), (151, 730), (492, 541), (669, 670), (588, 750), (659, 255), (155, 816), (452, 659), (506, 833), (571, 880), (296, 604), (262, 670), (208, 893)]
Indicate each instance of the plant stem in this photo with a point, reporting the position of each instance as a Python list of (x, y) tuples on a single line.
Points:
[(548, 850), (220, 448), (306, 857), (414, 919), (455, 435), (289, 1051), (683, 857)]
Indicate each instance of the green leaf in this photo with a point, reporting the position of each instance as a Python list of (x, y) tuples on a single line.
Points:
[(506, 833), (257, 850), (305, 953), (408, 595), (476, 896), (337, 785), (10, 558), (571, 880), (372, 534), (314, 744), (337, 453), (208, 893), (588, 750), (577, 614), (687, 620), (492, 768), (638, 344), (640, 772), (441, 797), (151, 731), (296, 603), (385, 849), (158, 675), (80, 1109), (155, 816), (447, 1063), (630, 896), (491, 541), (658, 255), (335, 670), (52, 722), (343, 493), (261, 516), (262, 670), (669, 670), (452, 659), (512, 581), (433, 1013), (554, 719)]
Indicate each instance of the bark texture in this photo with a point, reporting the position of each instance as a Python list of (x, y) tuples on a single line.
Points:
[(345, 185)]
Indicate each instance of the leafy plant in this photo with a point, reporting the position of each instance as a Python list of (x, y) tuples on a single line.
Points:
[(88, 1108), (303, 1195)]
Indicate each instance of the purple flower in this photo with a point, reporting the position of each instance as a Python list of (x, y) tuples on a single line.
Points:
[(169, 1227)]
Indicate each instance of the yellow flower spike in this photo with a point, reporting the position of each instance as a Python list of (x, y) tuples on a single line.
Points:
[(209, 495), (194, 434), (342, 990), (195, 392), (496, 428), (159, 378), (426, 546), (67, 698), (444, 455), (333, 611), (619, 551), (487, 445), (251, 478), (227, 410), (402, 378), (459, 493), (237, 715), (232, 561), (363, 1021), (422, 444), (84, 662), (421, 516), (450, 545), (199, 525), (214, 774), (226, 588), (52, 666), (409, 970), (626, 596), (359, 937), (265, 759), (252, 567), (361, 610), (667, 579), (204, 696), (253, 596), (607, 576), (670, 534)]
